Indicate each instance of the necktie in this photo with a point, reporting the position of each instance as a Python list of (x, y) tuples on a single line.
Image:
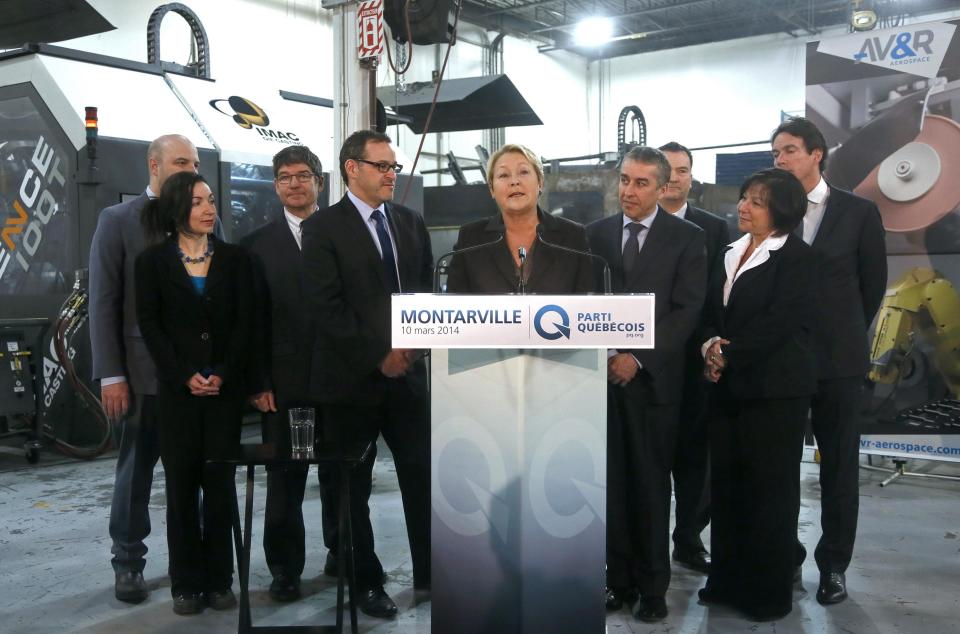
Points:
[(631, 249), (387, 260)]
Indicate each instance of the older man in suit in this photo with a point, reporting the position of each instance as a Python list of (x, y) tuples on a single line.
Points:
[(355, 255), (690, 477), (284, 357), (650, 251), (127, 375), (847, 236)]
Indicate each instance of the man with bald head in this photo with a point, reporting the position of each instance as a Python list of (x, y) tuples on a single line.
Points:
[(127, 375)]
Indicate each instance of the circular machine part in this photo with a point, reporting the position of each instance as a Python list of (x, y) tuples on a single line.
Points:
[(910, 196)]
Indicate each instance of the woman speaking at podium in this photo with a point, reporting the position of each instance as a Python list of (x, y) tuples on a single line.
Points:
[(526, 248)]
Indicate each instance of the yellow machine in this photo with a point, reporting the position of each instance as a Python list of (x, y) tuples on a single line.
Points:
[(920, 306)]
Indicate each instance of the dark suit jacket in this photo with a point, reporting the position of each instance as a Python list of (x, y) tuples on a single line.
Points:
[(769, 322), (186, 332), (115, 340), (717, 236), (492, 270), (673, 266), (346, 294), (282, 326), (851, 260)]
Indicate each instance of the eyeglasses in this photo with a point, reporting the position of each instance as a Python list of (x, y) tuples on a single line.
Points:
[(302, 177), (383, 167)]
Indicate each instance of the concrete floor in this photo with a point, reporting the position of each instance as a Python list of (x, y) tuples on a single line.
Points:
[(55, 574)]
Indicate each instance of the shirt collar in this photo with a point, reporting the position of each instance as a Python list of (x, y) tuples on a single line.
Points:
[(682, 212), (150, 193), (292, 219), (819, 193), (646, 222), (365, 210), (772, 243)]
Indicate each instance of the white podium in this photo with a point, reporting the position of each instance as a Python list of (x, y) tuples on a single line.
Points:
[(519, 454)]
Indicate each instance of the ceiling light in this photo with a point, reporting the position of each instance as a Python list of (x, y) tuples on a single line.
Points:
[(863, 20), (593, 31)]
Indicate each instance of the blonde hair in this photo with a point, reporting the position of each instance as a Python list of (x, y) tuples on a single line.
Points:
[(527, 153)]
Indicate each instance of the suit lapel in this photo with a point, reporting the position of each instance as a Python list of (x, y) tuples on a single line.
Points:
[(831, 214), (502, 258), (177, 272), (545, 258), (747, 276), (361, 236)]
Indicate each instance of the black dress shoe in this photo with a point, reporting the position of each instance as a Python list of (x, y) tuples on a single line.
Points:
[(651, 609), (130, 587), (833, 588), (188, 603), (614, 600), (698, 560), (284, 589), (713, 596), (222, 599), (375, 602)]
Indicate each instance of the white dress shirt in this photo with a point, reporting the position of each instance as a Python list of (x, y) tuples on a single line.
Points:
[(296, 227), (816, 204), (366, 214), (682, 212), (641, 239)]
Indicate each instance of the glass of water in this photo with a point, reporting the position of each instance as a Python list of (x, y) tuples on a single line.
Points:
[(302, 421)]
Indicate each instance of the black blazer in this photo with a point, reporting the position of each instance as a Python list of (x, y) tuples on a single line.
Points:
[(851, 256), (769, 322), (346, 293), (282, 326), (186, 332), (673, 266), (717, 235), (492, 270)]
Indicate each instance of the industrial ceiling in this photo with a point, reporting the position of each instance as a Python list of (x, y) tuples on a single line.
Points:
[(650, 25)]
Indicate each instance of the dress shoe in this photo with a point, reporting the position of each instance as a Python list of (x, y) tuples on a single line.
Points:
[(375, 602), (284, 589), (713, 596), (651, 609), (833, 588), (698, 560), (221, 599), (130, 587), (614, 601), (188, 603), (331, 569)]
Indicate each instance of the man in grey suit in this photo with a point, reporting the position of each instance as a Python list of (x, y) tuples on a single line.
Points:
[(127, 375)]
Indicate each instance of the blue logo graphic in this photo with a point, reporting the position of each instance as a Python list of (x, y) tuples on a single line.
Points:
[(902, 48), (562, 328)]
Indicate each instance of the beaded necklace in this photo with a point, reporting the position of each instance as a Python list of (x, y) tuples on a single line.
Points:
[(200, 259)]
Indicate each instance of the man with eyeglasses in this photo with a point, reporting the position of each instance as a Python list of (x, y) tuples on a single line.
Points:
[(283, 353), (356, 253)]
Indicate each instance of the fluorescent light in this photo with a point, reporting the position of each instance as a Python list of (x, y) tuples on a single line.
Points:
[(593, 31)]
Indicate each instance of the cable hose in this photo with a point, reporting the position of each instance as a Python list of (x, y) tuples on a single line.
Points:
[(69, 318)]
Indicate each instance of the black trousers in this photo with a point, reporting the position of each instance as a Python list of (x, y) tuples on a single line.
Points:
[(136, 437), (691, 478), (641, 441), (834, 415), (402, 416), (755, 451), (283, 527), (194, 430)]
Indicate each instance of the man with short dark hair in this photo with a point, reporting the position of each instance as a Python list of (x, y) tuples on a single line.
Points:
[(649, 251), (127, 374), (690, 473), (356, 254), (284, 358), (847, 235)]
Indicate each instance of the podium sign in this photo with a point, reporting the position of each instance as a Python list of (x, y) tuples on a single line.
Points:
[(522, 321), (518, 450)]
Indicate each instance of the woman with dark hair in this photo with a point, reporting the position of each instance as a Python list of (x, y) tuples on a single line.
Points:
[(759, 355), (194, 298)]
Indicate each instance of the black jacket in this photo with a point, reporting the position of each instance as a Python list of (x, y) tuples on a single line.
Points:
[(851, 259), (491, 270), (673, 266), (768, 321), (186, 332), (346, 293), (283, 328)]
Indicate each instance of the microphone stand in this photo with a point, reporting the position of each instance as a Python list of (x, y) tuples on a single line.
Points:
[(521, 284), (438, 268)]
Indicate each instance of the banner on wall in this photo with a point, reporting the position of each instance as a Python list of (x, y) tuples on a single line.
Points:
[(888, 103)]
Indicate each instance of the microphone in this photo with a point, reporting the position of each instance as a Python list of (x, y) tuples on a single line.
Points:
[(521, 285), (607, 286), (438, 269)]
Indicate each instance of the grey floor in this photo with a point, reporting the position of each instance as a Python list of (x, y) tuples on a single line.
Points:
[(55, 574)]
